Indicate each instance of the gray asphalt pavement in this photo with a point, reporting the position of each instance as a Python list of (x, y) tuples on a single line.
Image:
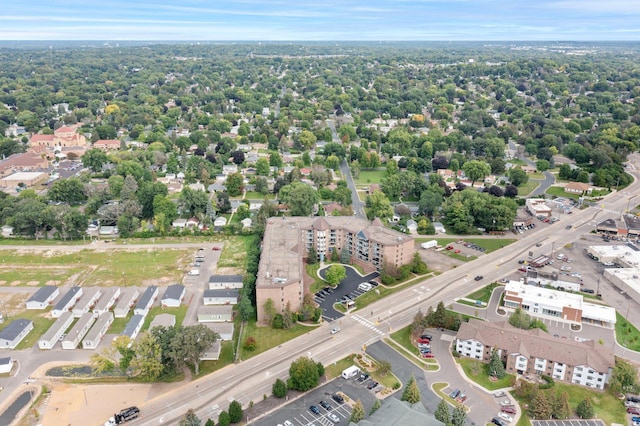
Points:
[(358, 206), (346, 286)]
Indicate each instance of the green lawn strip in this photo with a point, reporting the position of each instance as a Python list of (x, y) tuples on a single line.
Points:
[(484, 294), (536, 176), (468, 303), (30, 242), (234, 252), (179, 313), (252, 195), (403, 338), (268, 337), (490, 244), (226, 358), (476, 370), (558, 191), (335, 370), (525, 189), (627, 334), (118, 325), (318, 283), (371, 176), (458, 256)]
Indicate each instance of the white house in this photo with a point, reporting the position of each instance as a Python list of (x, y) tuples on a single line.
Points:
[(146, 301), (6, 364), (223, 329), (13, 333), (89, 298), (97, 332), (213, 353), (173, 296), (107, 300), (77, 332), (42, 298), (221, 297), (220, 221), (126, 301), (67, 301), (133, 327), (215, 313), (225, 281), (52, 335)]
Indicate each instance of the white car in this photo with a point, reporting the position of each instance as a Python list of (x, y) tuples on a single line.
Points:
[(334, 330), (334, 418), (506, 402), (499, 394), (287, 423), (505, 416)]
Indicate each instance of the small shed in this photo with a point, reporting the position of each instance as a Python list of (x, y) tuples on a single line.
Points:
[(133, 327), (6, 364), (49, 339), (223, 329), (217, 282), (77, 332), (97, 332), (89, 298), (146, 301), (107, 300), (67, 301), (126, 301), (42, 298), (221, 297), (216, 313), (173, 296), (13, 333)]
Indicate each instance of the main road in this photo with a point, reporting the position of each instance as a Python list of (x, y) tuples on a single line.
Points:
[(250, 380)]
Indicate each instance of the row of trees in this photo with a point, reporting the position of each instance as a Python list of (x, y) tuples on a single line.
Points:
[(232, 415)]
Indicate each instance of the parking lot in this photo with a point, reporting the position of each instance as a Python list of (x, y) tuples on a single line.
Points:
[(298, 412), (346, 291)]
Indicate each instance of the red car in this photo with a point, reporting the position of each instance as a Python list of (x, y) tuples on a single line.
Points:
[(428, 355), (509, 409), (424, 341), (633, 410), (216, 248)]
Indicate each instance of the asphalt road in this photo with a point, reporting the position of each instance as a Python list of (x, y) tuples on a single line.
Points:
[(358, 206)]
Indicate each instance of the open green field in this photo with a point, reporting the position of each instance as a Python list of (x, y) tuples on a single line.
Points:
[(627, 334), (536, 176), (524, 190), (252, 195), (491, 244), (477, 371), (234, 252), (334, 370), (268, 337), (371, 176)]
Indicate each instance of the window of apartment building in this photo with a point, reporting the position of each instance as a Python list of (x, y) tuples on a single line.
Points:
[(591, 371), (578, 375)]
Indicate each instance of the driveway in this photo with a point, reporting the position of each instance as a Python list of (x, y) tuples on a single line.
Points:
[(347, 286)]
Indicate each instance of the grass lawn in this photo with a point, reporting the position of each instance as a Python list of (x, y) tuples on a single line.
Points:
[(371, 176), (118, 324), (402, 339), (491, 244), (477, 371), (179, 312), (335, 370), (524, 190), (483, 294), (559, 192), (42, 275), (627, 334), (318, 283), (40, 326), (226, 358), (234, 252), (536, 176), (252, 195), (606, 406), (267, 337)]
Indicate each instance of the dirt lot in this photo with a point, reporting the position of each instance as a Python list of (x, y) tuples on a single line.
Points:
[(436, 261)]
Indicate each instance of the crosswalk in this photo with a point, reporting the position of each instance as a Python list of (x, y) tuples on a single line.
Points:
[(367, 324)]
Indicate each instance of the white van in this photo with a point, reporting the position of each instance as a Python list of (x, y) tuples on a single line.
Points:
[(194, 272)]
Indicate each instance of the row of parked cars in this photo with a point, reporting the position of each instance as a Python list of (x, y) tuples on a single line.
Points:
[(424, 346), (507, 409)]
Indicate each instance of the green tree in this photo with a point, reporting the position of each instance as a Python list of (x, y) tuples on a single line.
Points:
[(279, 389), (190, 419), (439, 316), (193, 203), (375, 406), (235, 412), (262, 167), (476, 170), (560, 407), (542, 165), (540, 406), (411, 392), (442, 413), (147, 361), (383, 367), (191, 343), (307, 139), (210, 423), (94, 159), (224, 419), (235, 184), (303, 374), (585, 409), (517, 176), (357, 413), (378, 205), (495, 367), (335, 274), (624, 378), (459, 415), (67, 190), (299, 197)]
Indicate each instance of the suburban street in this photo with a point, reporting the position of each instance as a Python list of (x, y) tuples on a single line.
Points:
[(249, 380)]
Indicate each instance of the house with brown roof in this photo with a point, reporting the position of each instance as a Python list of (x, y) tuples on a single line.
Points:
[(529, 352), (25, 162), (64, 136), (107, 144), (578, 188)]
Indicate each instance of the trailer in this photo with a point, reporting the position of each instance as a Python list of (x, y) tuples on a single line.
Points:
[(350, 372), (429, 244), (540, 261), (123, 416)]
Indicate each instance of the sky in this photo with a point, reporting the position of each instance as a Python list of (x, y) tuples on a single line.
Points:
[(318, 20)]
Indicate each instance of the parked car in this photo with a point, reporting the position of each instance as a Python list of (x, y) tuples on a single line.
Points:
[(633, 410), (423, 341), (455, 393), (426, 336), (427, 355), (334, 418), (505, 416), (508, 409), (325, 405), (499, 394), (216, 248), (372, 385), (337, 398), (314, 409), (498, 422), (478, 277), (288, 423)]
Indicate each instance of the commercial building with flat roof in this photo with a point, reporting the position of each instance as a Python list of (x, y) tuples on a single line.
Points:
[(287, 241), (586, 363)]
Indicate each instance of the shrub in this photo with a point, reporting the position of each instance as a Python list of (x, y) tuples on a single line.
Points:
[(250, 343)]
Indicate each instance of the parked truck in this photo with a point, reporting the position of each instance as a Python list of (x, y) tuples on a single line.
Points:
[(123, 416), (350, 372)]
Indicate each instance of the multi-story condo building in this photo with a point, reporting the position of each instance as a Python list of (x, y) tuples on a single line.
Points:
[(529, 352), (287, 240)]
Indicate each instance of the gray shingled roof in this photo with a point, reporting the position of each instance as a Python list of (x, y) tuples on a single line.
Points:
[(146, 297), (14, 329), (222, 293), (43, 294), (174, 291), (62, 303), (225, 278)]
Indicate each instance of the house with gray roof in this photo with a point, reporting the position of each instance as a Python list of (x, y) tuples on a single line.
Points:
[(173, 296), (67, 301), (146, 300), (89, 298), (52, 335), (221, 297), (215, 313), (107, 300), (78, 331), (225, 281), (13, 333), (97, 332), (6, 364), (42, 298), (125, 302), (133, 327)]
